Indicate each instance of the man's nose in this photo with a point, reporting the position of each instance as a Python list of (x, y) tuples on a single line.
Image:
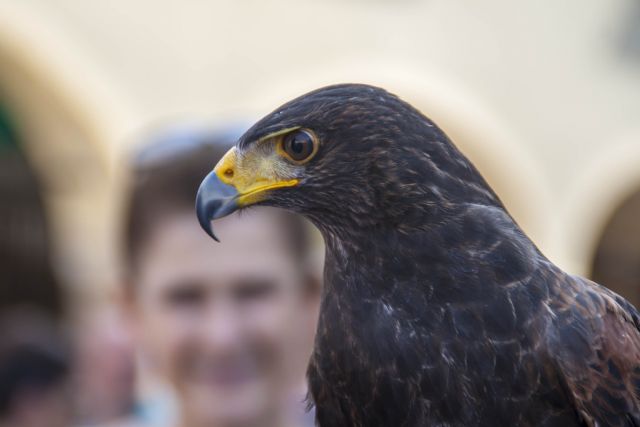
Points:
[(222, 327)]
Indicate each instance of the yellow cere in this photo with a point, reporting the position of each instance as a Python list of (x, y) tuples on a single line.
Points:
[(250, 182)]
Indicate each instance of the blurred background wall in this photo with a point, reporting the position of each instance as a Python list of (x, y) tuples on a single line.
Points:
[(543, 96)]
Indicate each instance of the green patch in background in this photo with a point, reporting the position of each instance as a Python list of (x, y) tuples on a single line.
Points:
[(8, 135)]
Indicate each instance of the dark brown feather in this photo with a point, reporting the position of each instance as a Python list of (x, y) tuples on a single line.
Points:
[(596, 346)]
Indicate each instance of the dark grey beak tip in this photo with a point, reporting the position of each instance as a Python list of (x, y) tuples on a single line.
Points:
[(215, 199), (206, 226)]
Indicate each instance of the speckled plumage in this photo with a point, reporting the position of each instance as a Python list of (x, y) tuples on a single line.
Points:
[(437, 309)]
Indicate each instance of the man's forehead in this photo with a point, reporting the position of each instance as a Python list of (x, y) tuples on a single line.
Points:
[(254, 238)]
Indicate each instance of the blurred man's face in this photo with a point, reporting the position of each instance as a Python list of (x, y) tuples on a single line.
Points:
[(227, 323)]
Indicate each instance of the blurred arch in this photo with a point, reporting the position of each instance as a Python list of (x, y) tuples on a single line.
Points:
[(68, 116), (599, 189), (616, 259)]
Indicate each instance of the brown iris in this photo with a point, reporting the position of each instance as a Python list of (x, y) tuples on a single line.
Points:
[(299, 145)]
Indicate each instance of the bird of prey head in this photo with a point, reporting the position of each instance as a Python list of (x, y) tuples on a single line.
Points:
[(335, 156)]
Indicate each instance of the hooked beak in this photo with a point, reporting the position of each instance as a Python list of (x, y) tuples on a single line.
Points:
[(233, 185), (215, 199)]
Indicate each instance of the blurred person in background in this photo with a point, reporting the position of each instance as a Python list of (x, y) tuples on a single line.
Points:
[(35, 359), (34, 371), (230, 326), (39, 384)]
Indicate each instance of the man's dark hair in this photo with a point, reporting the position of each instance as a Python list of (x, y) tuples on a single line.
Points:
[(165, 179)]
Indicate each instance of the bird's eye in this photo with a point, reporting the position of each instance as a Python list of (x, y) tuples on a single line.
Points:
[(300, 145)]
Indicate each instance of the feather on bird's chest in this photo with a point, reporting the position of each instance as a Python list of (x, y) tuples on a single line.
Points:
[(386, 339)]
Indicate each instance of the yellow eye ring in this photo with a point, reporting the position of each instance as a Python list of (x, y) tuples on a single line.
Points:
[(298, 146)]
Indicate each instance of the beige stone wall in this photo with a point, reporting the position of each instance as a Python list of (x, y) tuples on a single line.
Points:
[(537, 93)]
